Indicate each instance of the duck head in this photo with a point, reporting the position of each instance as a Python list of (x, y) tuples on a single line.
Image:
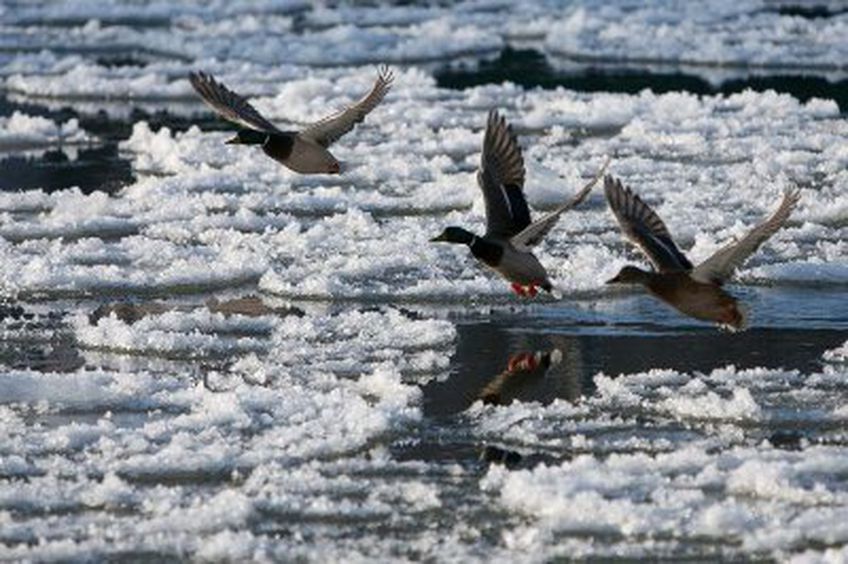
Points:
[(630, 275), (248, 137), (454, 235)]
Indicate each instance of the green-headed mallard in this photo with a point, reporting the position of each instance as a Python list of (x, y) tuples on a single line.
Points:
[(509, 232), (302, 151), (693, 290)]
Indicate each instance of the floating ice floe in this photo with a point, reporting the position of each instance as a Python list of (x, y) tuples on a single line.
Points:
[(725, 33), (345, 343), (667, 407), (696, 471), (748, 500), (184, 427), (316, 399), (712, 40), (155, 12), (839, 354), (21, 131)]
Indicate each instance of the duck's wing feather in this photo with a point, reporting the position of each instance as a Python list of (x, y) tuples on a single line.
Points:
[(644, 228), (533, 234), (228, 104), (501, 178), (720, 266), (328, 130)]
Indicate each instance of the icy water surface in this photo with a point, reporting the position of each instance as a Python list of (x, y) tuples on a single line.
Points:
[(207, 357)]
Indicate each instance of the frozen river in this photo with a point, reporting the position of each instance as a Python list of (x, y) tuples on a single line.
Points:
[(207, 357)]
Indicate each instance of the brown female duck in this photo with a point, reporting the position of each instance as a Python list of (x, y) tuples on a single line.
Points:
[(693, 290), (302, 151)]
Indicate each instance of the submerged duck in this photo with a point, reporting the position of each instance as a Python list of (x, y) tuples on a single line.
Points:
[(509, 233), (302, 151), (693, 290)]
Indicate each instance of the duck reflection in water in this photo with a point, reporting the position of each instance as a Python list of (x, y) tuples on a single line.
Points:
[(521, 369)]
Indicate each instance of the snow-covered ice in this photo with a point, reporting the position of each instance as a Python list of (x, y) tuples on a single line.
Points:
[(21, 131), (286, 368)]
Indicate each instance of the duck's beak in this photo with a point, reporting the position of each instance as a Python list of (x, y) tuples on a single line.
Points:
[(438, 239), (233, 141), (613, 280)]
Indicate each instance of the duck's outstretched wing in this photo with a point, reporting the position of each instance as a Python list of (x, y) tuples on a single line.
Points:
[(720, 266), (228, 104), (533, 234), (501, 178), (328, 130), (643, 227)]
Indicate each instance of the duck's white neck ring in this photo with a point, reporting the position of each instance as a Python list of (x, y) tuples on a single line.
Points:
[(267, 138)]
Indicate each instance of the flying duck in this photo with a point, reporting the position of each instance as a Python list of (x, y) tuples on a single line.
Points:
[(506, 246), (302, 151), (693, 290)]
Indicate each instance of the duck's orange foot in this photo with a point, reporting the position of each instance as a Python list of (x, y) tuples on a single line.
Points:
[(525, 291), (524, 361)]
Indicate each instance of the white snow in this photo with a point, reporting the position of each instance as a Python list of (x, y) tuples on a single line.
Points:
[(708, 482), (22, 131), (772, 501), (725, 34), (185, 430), (296, 428), (839, 354)]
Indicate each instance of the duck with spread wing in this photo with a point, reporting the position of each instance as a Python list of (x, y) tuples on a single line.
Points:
[(305, 151), (693, 290), (506, 247)]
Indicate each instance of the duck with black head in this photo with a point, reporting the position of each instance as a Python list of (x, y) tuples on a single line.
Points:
[(506, 247), (305, 151)]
